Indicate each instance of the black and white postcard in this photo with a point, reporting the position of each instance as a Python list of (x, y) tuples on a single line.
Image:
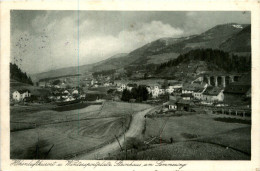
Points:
[(140, 86)]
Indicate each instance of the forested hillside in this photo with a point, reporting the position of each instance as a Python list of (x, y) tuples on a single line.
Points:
[(223, 60), (17, 74)]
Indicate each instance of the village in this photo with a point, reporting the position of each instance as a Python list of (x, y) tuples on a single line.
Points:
[(217, 92)]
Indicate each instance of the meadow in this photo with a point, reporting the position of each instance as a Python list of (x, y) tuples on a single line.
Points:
[(61, 135), (192, 137)]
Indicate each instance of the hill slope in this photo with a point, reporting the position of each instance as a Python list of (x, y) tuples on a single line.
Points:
[(200, 61), (224, 37), (240, 42), (17, 74)]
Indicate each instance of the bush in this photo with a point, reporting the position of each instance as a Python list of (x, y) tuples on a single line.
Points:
[(140, 94), (135, 143)]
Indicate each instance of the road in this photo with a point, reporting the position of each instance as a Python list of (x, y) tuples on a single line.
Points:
[(134, 130)]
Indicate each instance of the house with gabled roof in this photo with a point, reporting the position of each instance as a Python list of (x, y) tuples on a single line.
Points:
[(184, 105), (172, 105), (187, 96), (213, 94), (19, 95)]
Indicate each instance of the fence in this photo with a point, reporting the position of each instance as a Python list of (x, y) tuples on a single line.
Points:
[(230, 111)]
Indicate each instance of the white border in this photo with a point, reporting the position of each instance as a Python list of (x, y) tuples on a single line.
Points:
[(253, 6)]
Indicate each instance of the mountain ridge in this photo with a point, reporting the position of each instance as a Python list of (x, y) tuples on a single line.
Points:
[(224, 37)]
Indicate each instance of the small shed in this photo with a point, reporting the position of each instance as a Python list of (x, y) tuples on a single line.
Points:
[(184, 105), (172, 105)]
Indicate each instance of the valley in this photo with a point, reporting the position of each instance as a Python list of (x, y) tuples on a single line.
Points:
[(186, 98)]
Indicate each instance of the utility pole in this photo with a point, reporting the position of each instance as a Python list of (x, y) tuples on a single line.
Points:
[(119, 143)]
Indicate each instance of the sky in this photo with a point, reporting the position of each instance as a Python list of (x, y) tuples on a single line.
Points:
[(47, 40)]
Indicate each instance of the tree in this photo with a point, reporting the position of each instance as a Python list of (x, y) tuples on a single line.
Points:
[(110, 91), (126, 95), (139, 93), (17, 74), (165, 84), (56, 82)]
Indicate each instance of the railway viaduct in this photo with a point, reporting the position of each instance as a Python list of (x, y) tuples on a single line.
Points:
[(220, 80)]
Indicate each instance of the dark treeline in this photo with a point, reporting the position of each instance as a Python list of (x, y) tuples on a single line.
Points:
[(63, 76), (104, 73), (220, 58), (139, 93), (17, 74)]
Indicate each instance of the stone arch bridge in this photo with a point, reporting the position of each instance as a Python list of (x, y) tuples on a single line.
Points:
[(220, 80)]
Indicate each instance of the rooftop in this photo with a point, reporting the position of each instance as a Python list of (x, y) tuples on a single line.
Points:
[(23, 91), (194, 86), (214, 91)]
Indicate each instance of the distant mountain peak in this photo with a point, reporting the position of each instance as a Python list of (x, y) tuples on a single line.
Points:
[(238, 26), (229, 37)]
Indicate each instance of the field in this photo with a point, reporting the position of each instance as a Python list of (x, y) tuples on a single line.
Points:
[(60, 135), (194, 137)]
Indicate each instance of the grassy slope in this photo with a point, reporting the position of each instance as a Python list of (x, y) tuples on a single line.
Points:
[(195, 137), (190, 151), (121, 108), (199, 125), (68, 137)]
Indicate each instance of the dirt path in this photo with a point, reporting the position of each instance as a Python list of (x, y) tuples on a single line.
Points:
[(134, 130)]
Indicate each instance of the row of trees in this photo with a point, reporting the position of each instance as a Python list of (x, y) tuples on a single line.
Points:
[(139, 93), (104, 73), (17, 74), (220, 58)]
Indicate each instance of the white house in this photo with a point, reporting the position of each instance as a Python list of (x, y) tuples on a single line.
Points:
[(16, 96), (161, 91), (172, 105), (75, 91), (187, 96), (66, 92), (149, 89), (155, 91), (198, 93), (187, 90), (213, 94), (19, 95), (170, 89), (121, 87), (69, 99)]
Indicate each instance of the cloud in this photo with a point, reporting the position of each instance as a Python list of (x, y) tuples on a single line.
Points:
[(60, 47), (101, 34), (100, 47), (148, 32)]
